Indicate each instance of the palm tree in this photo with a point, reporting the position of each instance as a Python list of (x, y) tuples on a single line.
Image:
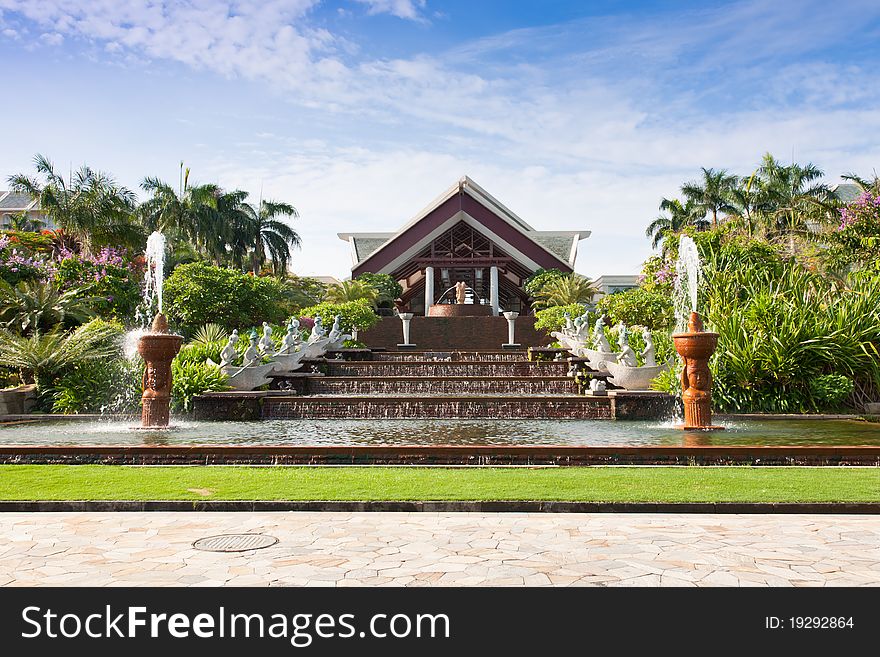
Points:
[(90, 207), (747, 199), (792, 199), (565, 290), (872, 186), (189, 214), (711, 195), (23, 222), (260, 231), (351, 291), (677, 217), (34, 306)]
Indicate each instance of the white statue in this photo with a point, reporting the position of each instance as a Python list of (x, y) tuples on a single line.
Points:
[(291, 338), (229, 353), (648, 353), (600, 342), (336, 339), (267, 345), (318, 332), (335, 332), (598, 385), (252, 356), (582, 326), (627, 356), (569, 325)]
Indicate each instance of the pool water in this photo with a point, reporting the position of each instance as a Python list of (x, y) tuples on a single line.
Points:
[(594, 433)]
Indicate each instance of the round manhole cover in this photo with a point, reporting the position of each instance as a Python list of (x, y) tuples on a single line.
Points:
[(235, 542)]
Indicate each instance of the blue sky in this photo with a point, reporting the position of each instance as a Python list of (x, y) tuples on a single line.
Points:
[(359, 112)]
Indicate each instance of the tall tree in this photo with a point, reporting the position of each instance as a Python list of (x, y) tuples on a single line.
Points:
[(711, 194), (260, 230), (90, 206), (674, 218), (191, 213), (792, 199)]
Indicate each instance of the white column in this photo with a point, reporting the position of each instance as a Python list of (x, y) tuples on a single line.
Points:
[(510, 316), (429, 289), (405, 319), (493, 289)]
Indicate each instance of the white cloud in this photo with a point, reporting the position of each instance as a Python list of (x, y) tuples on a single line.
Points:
[(582, 125), (52, 38), (409, 9)]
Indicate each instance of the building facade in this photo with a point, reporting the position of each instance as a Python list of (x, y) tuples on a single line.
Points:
[(24, 208), (464, 235)]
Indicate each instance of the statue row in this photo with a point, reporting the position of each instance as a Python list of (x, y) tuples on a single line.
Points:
[(287, 358), (622, 365)]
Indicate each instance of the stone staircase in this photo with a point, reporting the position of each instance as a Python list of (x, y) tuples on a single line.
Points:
[(423, 385)]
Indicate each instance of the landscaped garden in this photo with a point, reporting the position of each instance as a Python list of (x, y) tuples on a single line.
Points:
[(790, 281)]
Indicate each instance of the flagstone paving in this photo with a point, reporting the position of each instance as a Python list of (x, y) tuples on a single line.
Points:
[(431, 549)]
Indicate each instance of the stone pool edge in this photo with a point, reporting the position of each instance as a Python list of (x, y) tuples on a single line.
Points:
[(440, 455)]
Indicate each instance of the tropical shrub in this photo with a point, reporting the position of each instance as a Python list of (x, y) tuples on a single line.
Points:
[(638, 306), (347, 291), (553, 318), (197, 293), (42, 357), (536, 282), (782, 327), (830, 391), (387, 288), (302, 291), (112, 385), (352, 314), (194, 378), (565, 290), (34, 306)]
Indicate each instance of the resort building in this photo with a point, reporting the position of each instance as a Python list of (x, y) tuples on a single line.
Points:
[(464, 235), (14, 204), (606, 284)]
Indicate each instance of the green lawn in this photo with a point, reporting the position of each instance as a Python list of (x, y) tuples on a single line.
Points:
[(604, 484)]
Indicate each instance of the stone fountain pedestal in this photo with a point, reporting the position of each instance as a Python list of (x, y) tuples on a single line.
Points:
[(158, 348), (695, 347)]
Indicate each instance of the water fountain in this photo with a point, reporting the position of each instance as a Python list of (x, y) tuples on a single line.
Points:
[(695, 345), (157, 346)]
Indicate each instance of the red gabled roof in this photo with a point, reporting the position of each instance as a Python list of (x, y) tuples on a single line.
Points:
[(469, 198)]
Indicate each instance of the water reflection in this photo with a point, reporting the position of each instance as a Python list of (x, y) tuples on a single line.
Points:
[(443, 432)]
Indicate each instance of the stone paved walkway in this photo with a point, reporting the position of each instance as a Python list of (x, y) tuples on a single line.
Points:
[(424, 549)]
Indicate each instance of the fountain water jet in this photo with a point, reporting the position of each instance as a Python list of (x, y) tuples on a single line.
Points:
[(694, 345), (157, 346)]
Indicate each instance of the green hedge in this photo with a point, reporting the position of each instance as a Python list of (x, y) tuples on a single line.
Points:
[(196, 294)]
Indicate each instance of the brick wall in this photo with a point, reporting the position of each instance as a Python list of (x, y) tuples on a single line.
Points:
[(451, 333)]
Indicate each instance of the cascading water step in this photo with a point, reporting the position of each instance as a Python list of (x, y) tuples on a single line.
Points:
[(449, 385), (449, 355), (520, 368), (392, 407)]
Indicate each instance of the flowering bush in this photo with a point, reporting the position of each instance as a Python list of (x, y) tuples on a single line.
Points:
[(856, 240), (106, 276)]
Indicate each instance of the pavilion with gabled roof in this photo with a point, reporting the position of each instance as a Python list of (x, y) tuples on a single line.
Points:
[(466, 235)]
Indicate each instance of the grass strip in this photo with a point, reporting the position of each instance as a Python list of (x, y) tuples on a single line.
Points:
[(589, 484)]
